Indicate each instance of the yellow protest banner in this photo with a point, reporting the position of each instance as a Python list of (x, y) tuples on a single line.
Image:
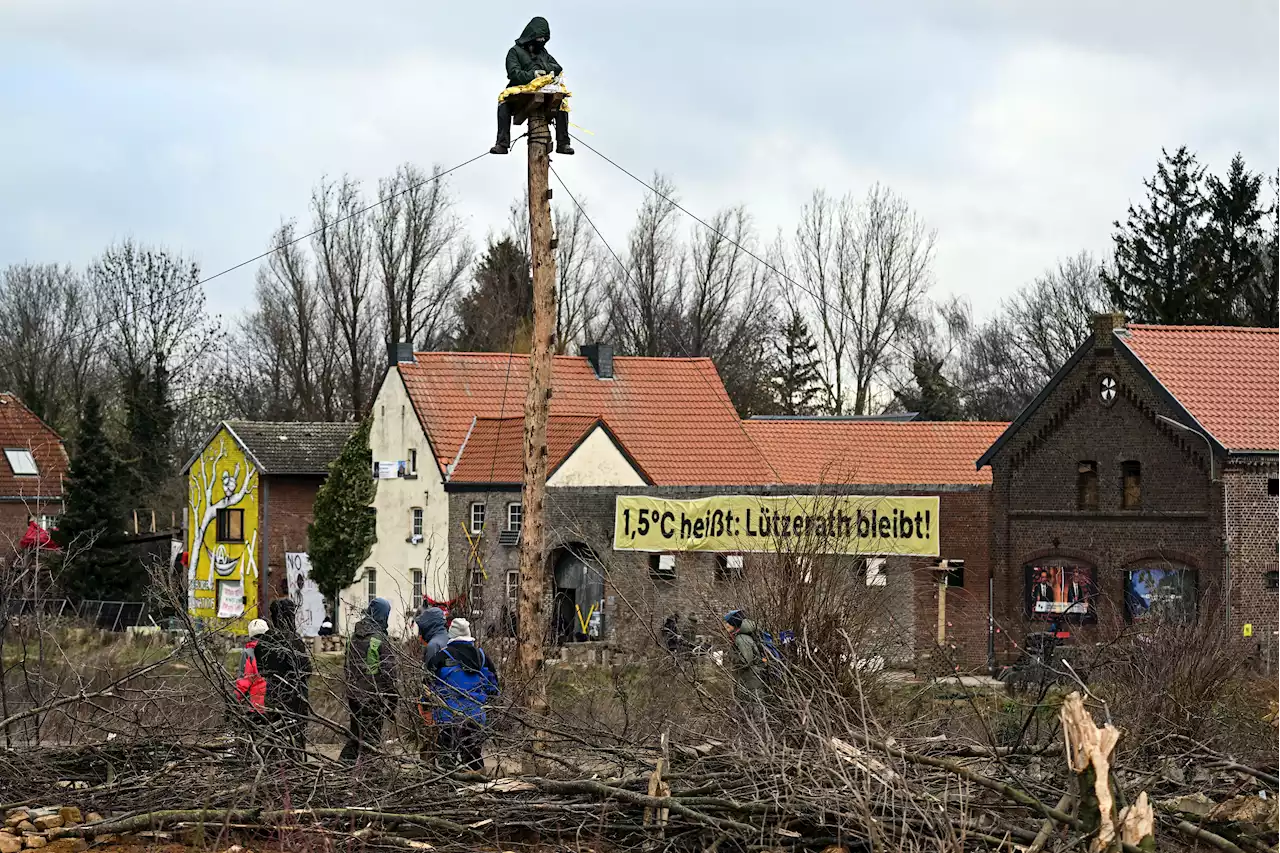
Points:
[(831, 524)]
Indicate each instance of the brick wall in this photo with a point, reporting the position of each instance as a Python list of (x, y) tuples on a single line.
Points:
[(636, 604), (1251, 516), (286, 504), (1034, 495), (965, 535), (16, 515)]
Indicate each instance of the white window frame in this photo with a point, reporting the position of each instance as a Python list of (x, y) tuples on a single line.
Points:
[(20, 460), (515, 508), (413, 461), (513, 585), (876, 574), (417, 521), (479, 510), (371, 583), (417, 587)]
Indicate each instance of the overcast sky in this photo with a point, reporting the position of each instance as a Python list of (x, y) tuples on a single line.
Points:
[(1019, 130)]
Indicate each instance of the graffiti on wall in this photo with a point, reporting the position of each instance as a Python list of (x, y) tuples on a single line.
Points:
[(222, 530)]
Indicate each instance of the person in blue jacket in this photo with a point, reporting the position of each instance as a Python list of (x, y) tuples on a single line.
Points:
[(463, 681)]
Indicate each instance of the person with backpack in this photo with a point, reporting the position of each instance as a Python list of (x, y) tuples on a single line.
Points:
[(751, 659), (251, 686), (284, 662), (463, 682), (370, 671)]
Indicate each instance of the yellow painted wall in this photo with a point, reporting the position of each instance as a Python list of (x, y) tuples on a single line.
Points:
[(222, 477)]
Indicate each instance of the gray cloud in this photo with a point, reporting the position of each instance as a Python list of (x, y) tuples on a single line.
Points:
[(1018, 130)]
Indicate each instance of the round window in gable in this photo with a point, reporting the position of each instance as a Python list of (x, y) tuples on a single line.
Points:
[(1108, 389)]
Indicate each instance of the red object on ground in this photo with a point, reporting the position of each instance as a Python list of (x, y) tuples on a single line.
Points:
[(37, 537)]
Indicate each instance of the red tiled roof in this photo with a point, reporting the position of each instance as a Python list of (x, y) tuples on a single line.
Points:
[(1226, 377), (672, 414), (819, 451), (20, 429), (494, 451)]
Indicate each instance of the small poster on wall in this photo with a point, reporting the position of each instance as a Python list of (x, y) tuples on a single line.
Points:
[(230, 599), (1060, 591), (304, 592)]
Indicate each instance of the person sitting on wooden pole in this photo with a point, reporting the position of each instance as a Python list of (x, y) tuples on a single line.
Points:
[(527, 60)]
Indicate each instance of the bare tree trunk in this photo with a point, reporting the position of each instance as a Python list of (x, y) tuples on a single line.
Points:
[(533, 569)]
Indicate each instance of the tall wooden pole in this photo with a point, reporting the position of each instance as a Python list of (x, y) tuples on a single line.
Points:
[(533, 570)]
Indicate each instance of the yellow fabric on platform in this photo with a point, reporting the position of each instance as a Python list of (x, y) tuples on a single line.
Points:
[(533, 86)]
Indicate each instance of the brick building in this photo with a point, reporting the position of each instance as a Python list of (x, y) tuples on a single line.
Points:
[(251, 489), (629, 594), (1142, 478), (35, 463), (442, 425), (949, 624)]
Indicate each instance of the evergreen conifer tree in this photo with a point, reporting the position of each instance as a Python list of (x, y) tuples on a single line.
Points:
[(1262, 294), (344, 527), (796, 381), (1154, 279), (1231, 245), (497, 313), (91, 528), (149, 419)]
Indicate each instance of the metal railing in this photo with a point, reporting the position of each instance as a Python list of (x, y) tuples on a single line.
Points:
[(106, 615)]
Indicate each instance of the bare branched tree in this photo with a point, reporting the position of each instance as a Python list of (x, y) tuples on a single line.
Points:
[(1052, 315), (344, 258), (643, 297), (582, 298), (892, 256), (47, 354), (157, 310), (421, 255), (819, 260)]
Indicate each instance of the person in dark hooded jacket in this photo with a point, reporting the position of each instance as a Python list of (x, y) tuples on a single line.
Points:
[(284, 662), (370, 671), (434, 636), (527, 60), (433, 632), (463, 680)]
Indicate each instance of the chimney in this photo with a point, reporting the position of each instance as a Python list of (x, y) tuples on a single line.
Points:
[(601, 358), (1103, 326), (400, 353)]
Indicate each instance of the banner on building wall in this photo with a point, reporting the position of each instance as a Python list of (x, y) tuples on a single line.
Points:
[(304, 592), (835, 524)]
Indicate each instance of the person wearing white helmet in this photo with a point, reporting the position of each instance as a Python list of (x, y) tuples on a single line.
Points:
[(251, 687)]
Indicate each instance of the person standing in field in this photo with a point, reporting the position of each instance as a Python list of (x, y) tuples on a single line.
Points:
[(370, 671), (463, 682)]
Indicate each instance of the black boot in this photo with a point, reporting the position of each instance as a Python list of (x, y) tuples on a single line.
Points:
[(503, 145), (562, 134)]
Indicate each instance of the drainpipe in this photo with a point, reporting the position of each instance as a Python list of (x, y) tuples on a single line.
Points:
[(1226, 514)]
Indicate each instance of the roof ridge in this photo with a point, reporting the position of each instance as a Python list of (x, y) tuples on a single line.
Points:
[(1171, 327)]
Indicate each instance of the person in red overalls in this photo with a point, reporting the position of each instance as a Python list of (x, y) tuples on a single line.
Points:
[(251, 687)]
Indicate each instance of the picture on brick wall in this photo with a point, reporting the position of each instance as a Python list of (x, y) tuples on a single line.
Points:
[(1060, 591), (1163, 593)]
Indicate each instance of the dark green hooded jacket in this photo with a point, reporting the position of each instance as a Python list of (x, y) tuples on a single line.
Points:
[(525, 57)]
